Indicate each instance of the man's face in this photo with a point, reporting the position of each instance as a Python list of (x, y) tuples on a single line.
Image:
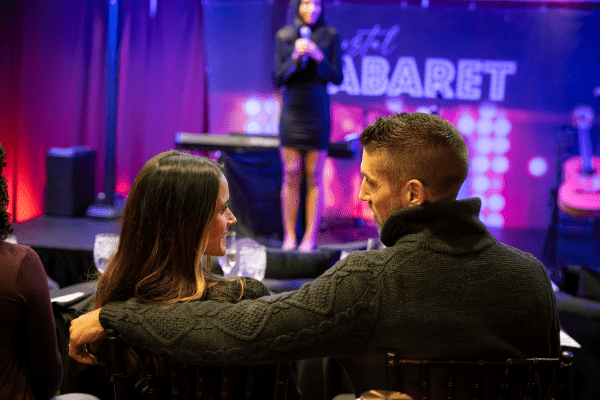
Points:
[(383, 195)]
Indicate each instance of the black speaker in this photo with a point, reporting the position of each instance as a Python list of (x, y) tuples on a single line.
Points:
[(70, 182)]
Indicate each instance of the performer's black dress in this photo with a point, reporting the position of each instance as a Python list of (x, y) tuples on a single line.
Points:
[(305, 122)]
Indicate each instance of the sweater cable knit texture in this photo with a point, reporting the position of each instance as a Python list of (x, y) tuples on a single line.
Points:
[(443, 288)]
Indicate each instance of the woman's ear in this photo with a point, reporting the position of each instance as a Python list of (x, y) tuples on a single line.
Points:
[(417, 193)]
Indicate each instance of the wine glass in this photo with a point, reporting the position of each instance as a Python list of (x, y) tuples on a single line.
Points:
[(370, 244), (375, 244), (253, 259), (105, 247), (228, 261), (11, 239)]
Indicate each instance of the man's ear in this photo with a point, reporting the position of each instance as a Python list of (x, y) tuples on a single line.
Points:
[(417, 194)]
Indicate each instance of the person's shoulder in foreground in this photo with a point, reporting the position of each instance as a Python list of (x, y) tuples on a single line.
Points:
[(23, 282)]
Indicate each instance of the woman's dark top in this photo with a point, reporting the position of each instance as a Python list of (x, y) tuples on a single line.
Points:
[(305, 121), (30, 364)]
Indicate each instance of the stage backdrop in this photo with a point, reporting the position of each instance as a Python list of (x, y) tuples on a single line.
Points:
[(508, 78)]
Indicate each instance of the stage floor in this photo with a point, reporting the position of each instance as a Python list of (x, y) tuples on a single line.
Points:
[(63, 232)]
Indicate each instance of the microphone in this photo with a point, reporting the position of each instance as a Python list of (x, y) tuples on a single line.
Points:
[(304, 34)]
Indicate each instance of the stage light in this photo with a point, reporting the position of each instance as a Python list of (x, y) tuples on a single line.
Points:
[(394, 105), (270, 107), (252, 106), (500, 164), (253, 127), (502, 127), (501, 145), (495, 220), (496, 202), (497, 184), (484, 145), (153, 5), (487, 111), (481, 183), (480, 164), (537, 166), (484, 126), (271, 128), (466, 124)]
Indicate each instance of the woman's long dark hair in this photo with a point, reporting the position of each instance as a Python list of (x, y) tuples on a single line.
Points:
[(160, 258), (5, 225)]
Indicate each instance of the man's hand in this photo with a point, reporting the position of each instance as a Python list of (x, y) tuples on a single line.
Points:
[(83, 331)]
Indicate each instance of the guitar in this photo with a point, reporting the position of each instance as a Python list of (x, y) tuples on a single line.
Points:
[(579, 194)]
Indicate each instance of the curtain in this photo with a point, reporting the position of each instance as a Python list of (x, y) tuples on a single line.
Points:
[(53, 86)]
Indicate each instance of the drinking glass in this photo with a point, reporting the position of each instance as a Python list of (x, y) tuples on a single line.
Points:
[(253, 259), (370, 244), (228, 261), (11, 239), (105, 247), (375, 244)]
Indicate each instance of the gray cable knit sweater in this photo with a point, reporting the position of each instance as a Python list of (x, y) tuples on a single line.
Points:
[(443, 288)]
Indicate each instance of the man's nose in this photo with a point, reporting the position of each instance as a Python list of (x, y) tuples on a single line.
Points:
[(362, 195)]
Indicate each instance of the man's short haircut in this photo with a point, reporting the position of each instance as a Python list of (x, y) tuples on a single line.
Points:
[(421, 146)]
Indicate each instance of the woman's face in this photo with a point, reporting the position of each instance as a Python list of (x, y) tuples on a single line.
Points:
[(309, 11), (219, 225)]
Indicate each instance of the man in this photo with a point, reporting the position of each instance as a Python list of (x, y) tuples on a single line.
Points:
[(443, 287)]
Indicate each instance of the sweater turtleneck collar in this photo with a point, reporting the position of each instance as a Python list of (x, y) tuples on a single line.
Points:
[(449, 226)]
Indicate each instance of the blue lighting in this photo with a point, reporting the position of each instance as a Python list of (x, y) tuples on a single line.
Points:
[(500, 164), (466, 125), (252, 106), (537, 166), (253, 127), (481, 164)]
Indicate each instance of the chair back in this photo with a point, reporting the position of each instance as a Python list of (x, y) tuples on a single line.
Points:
[(123, 388), (552, 387)]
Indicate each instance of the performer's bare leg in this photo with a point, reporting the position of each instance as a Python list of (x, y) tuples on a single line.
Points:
[(315, 197), (291, 160)]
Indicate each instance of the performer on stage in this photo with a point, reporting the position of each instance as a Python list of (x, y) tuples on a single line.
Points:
[(308, 56)]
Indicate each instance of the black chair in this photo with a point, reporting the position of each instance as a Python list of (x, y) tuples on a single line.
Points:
[(123, 388), (554, 370)]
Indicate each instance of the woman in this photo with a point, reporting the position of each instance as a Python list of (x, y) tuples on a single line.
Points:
[(308, 56), (175, 218), (30, 364)]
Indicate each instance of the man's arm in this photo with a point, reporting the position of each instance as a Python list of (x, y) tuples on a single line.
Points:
[(334, 314)]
